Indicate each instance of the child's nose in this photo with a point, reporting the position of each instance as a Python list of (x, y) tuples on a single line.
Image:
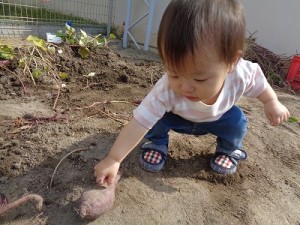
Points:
[(187, 87)]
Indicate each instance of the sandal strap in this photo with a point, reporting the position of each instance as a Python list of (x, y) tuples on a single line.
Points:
[(237, 154), (163, 149)]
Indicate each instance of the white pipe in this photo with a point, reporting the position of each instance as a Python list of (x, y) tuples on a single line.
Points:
[(127, 22), (149, 26)]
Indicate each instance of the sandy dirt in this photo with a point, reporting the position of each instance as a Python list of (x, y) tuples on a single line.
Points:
[(88, 116)]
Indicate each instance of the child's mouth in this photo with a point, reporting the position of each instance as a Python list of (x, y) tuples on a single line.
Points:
[(191, 98)]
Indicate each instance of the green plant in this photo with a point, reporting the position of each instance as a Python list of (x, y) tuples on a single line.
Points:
[(68, 36), (6, 52), (85, 42), (63, 75), (118, 31), (88, 42), (37, 42), (293, 119), (274, 78), (32, 59)]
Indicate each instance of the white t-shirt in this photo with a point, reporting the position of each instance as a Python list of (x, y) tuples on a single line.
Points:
[(246, 79)]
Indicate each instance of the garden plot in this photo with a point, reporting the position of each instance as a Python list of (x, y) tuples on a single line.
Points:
[(77, 103)]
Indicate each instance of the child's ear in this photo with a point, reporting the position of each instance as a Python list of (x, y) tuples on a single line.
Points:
[(235, 61)]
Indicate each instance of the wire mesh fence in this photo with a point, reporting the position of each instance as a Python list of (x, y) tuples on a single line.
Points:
[(20, 18)]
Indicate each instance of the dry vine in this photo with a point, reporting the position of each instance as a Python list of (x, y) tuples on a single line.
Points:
[(76, 150), (275, 67), (119, 118), (29, 121)]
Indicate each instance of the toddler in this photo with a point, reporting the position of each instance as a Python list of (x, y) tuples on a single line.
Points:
[(201, 44)]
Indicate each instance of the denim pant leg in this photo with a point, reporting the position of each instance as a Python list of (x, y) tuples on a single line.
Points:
[(159, 133), (230, 130)]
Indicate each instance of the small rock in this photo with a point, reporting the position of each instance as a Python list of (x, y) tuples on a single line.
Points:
[(123, 78), (16, 165), (17, 151), (6, 145)]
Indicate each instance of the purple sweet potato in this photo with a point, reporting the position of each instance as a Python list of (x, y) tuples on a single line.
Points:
[(5, 206), (3, 200), (95, 202)]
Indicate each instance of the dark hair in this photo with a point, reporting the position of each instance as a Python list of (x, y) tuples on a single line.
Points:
[(193, 26)]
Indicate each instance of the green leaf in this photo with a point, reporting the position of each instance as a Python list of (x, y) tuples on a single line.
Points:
[(112, 36), (83, 33), (81, 42), (51, 49), (84, 52), (22, 62), (37, 41), (69, 29), (102, 42), (6, 52), (36, 73), (293, 119), (63, 75), (59, 33)]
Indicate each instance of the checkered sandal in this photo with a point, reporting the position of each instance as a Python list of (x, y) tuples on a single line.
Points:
[(153, 156), (227, 164)]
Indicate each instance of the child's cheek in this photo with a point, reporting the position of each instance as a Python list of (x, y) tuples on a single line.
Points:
[(175, 90)]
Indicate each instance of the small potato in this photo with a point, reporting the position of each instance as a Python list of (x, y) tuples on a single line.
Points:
[(95, 202)]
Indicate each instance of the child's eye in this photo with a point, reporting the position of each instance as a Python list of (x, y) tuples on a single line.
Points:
[(197, 80)]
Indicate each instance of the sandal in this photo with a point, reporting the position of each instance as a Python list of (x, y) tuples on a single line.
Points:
[(227, 164), (153, 157)]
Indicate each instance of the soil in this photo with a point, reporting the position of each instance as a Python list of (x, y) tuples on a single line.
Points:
[(88, 115)]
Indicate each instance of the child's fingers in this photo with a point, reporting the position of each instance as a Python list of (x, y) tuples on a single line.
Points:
[(110, 180), (100, 177), (287, 115), (105, 180), (275, 120), (283, 117), (101, 180), (270, 118)]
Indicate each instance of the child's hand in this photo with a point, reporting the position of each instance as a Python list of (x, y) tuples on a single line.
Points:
[(276, 112), (106, 171)]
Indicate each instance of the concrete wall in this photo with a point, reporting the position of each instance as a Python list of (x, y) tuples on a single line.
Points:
[(275, 21)]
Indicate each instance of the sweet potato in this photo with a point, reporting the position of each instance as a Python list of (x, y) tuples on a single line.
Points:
[(3, 200), (5, 206), (95, 202)]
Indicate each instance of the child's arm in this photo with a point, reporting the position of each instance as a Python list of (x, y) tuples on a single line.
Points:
[(274, 110), (129, 137)]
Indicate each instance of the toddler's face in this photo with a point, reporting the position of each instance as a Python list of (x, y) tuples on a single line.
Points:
[(201, 79)]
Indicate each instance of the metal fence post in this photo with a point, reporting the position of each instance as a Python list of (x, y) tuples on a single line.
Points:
[(110, 17), (129, 25), (149, 26), (127, 22)]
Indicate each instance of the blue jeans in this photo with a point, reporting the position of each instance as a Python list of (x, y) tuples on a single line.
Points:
[(230, 129)]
